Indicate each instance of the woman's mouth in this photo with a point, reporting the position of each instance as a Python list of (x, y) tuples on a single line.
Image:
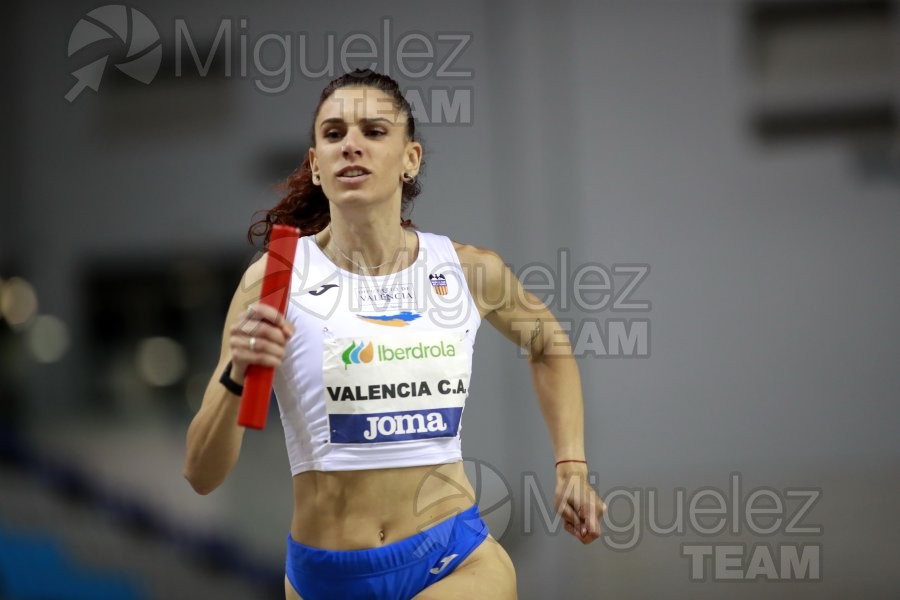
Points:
[(353, 175)]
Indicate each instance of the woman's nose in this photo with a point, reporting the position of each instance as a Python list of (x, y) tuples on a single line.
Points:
[(350, 146)]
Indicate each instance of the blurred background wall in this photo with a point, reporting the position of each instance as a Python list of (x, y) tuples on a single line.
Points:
[(741, 156)]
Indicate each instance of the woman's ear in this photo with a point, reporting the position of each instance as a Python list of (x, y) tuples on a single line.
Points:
[(413, 158), (313, 161)]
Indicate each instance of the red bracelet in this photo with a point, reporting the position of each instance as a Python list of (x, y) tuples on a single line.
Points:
[(559, 462)]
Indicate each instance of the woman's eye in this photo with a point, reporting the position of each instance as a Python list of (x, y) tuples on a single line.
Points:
[(332, 134), (377, 132)]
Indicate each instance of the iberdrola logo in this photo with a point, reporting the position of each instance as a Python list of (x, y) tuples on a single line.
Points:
[(355, 354)]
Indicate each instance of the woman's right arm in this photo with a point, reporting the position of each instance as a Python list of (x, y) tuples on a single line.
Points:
[(214, 437)]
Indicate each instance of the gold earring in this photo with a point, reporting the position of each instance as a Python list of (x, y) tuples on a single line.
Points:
[(315, 179), (407, 178)]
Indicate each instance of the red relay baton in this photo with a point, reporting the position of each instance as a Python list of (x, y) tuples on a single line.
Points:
[(276, 288)]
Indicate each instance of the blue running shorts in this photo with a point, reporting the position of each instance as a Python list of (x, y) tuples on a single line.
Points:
[(396, 571)]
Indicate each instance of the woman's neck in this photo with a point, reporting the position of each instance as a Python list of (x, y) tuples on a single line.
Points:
[(367, 246)]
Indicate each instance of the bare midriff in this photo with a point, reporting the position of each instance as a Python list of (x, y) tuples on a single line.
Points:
[(351, 510)]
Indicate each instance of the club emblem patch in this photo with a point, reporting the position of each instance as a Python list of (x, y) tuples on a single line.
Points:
[(439, 283)]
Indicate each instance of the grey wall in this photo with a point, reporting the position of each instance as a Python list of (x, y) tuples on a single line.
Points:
[(615, 130)]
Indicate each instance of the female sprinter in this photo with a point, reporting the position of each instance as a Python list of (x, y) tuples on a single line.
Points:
[(373, 362)]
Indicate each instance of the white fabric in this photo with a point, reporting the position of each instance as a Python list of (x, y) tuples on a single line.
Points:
[(378, 370)]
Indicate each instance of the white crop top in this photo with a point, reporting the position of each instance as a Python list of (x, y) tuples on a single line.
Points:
[(377, 372)]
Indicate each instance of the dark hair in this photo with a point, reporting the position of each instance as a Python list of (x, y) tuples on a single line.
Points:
[(304, 204)]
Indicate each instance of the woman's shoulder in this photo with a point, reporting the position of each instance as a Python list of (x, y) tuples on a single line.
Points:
[(488, 277), (469, 254), (472, 255)]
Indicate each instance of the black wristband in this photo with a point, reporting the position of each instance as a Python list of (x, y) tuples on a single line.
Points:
[(230, 384)]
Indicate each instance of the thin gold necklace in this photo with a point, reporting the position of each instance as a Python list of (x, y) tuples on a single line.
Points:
[(361, 266)]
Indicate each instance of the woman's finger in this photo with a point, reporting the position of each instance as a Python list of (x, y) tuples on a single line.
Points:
[(261, 330), (569, 515), (576, 532), (263, 347), (262, 313), (267, 313), (592, 512), (589, 511)]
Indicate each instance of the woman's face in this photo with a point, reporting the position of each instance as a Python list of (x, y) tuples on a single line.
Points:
[(361, 147)]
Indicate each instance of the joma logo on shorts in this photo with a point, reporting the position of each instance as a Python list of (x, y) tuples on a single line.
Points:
[(403, 424)]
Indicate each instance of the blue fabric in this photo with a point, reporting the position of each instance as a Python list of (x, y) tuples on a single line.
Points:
[(396, 571)]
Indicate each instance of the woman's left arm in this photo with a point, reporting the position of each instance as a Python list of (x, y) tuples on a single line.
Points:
[(521, 317)]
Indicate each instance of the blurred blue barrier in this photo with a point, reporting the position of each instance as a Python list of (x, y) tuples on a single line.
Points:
[(34, 567)]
